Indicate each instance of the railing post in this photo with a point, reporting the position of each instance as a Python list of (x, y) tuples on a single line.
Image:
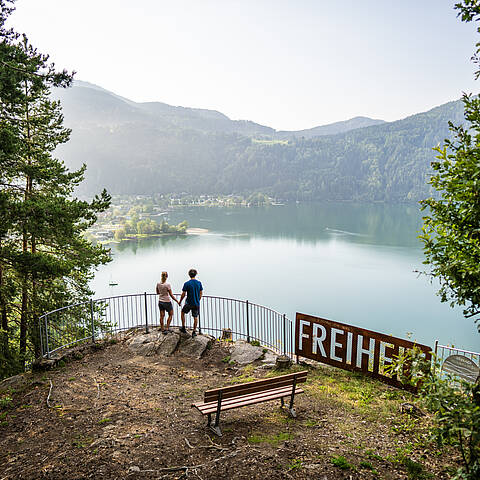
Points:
[(284, 334), (146, 313), (41, 335), (248, 324), (46, 338), (92, 321)]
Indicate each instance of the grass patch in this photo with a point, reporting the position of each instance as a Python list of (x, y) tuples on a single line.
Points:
[(415, 470), (295, 464), (270, 142), (371, 454), (82, 442), (341, 462), (105, 420), (366, 465), (271, 439), (5, 402)]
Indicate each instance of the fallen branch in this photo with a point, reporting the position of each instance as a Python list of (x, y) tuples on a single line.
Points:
[(49, 393), (188, 443), (185, 468), (98, 392)]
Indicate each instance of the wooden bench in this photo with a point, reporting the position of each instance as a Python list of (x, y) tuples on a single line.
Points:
[(236, 396)]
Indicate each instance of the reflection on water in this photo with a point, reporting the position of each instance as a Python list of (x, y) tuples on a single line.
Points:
[(394, 225), (347, 262)]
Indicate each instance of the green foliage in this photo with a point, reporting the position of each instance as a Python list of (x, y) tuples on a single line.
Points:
[(295, 464), (451, 236), (273, 439), (387, 162), (5, 402), (455, 404), (451, 231), (341, 462), (415, 470), (255, 343), (366, 465), (147, 226), (45, 260)]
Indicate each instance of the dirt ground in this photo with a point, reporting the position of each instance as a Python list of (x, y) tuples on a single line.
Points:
[(113, 415)]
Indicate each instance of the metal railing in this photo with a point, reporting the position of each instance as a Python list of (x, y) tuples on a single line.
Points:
[(102, 317), (444, 352)]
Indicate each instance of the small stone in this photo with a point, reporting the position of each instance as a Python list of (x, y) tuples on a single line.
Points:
[(134, 468)]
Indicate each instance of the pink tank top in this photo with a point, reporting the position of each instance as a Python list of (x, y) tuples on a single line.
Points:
[(162, 290)]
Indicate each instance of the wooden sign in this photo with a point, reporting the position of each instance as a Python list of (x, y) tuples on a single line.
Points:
[(350, 348)]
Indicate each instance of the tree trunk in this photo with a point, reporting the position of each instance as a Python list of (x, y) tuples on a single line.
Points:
[(34, 330), (4, 319)]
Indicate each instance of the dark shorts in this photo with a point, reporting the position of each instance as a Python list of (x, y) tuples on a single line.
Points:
[(191, 308), (165, 306)]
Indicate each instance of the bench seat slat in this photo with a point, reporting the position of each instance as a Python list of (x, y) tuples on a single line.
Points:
[(256, 386), (287, 389), (211, 407)]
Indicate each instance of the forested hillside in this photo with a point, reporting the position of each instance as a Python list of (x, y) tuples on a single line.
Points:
[(153, 147)]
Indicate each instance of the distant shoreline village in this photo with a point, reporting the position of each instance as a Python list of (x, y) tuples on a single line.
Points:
[(133, 217)]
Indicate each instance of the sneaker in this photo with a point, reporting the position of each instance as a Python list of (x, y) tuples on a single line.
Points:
[(164, 332), (183, 329), (194, 334)]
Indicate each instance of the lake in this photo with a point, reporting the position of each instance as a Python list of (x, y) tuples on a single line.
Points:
[(352, 263)]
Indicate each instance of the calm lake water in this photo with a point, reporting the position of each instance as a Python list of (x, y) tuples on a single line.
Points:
[(346, 262)]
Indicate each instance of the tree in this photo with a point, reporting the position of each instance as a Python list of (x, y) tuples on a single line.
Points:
[(451, 230), (454, 403), (45, 260), (120, 234)]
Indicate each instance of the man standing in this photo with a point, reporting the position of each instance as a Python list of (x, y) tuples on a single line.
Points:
[(193, 290)]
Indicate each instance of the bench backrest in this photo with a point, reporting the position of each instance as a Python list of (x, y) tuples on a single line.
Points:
[(254, 387)]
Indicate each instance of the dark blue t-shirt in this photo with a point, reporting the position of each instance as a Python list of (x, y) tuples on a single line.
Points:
[(193, 288)]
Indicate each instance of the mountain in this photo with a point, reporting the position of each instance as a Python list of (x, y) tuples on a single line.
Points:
[(87, 104), (330, 129), (153, 147)]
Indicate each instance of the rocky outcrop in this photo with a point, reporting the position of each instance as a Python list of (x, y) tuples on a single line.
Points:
[(194, 347), (244, 353), (156, 343), (153, 343)]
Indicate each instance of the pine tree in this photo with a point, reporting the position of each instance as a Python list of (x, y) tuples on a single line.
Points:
[(45, 261)]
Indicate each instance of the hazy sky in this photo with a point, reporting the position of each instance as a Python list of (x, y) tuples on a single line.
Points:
[(288, 64)]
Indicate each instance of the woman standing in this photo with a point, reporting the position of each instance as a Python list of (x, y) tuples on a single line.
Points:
[(164, 291)]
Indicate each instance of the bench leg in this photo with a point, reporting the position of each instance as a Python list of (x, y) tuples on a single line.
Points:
[(290, 408), (292, 411), (214, 427)]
